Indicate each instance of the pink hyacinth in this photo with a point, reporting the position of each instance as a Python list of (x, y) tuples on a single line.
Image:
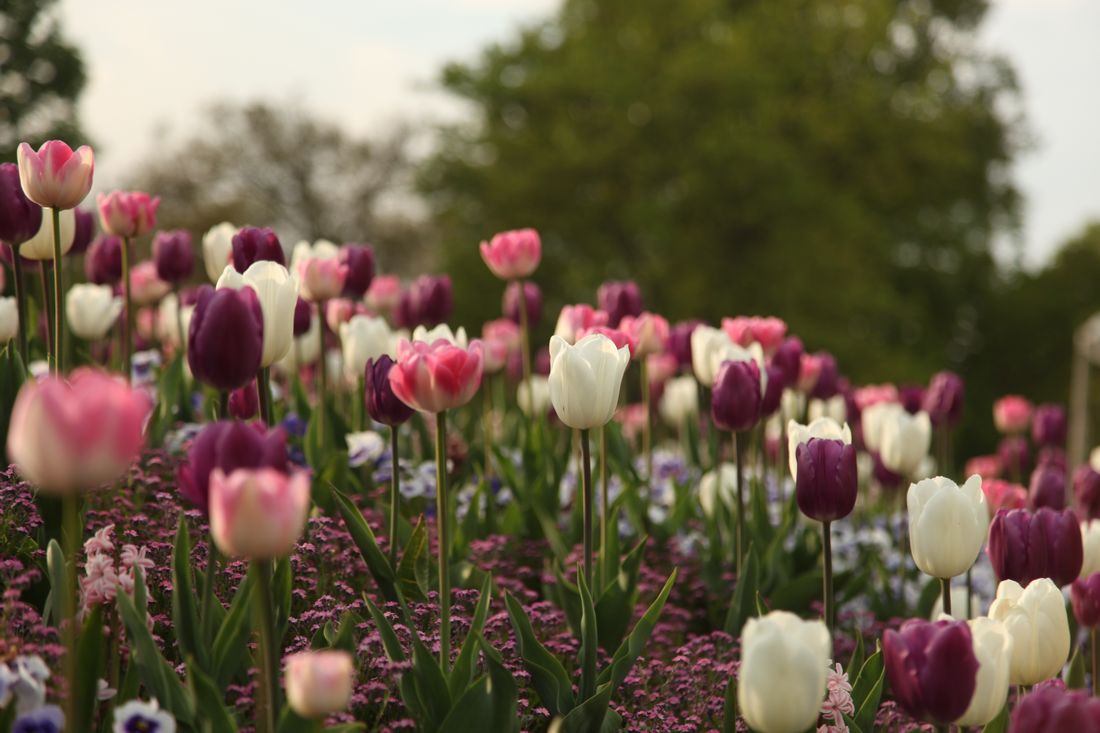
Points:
[(56, 176), (321, 278), (1012, 414), (648, 331), (577, 318), (100, 541), (514, 254), (258, 513), (127, 213), (437, 376)]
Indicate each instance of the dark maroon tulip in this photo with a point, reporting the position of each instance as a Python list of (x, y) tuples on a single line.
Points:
[(1053, 709), (405, 313), (244, 403), (788, 357), (1047, 488), (911, 397), (735, 397), (229, 445), (253, 244), (827, 378), (173, 255), (1024, 545), (827, 480), (1048, 425), (1086, 492), (931, 668), (83, 231), (532, 296), (679, 343), (773, 393), (619, 298), (432, 300), (360, 261), (1085, 594), (303, 316), (225, 339), (542, 361), (103, 260), (943, 400), (382, 404), (1052, 456), (1014, 455), (20, 218)]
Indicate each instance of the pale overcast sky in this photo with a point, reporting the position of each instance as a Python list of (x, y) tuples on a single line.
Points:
[(368, 63)]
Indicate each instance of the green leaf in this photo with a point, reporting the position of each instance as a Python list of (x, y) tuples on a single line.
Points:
[(211, 703), (90, 658), (185, 615), (615, 607), (998, 724), (463, 669), (282, 592), (1075, 672), (412, 570), (364, 539), (548, 676), (633, 645), (729, 708), (744, 594), (231, 642), (867, 689), (55, 568), (589, 639), (431, 685)]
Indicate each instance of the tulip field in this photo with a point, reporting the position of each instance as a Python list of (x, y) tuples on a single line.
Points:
[(259, 487)]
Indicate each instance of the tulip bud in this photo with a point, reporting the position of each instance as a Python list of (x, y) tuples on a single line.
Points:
[(1085, 595), (993, 650), (512, 255), (321, 279), (174, 258), (718, 486), (146, 287), (932, 668), (441, 332), (1037, 622), (1012, 414), (1048, 425), (303, 315), (103, 261), (1024, 546), (226, 338), (1090, 547), (680, 401), (20, 217), (359, 259), (532, 297), (500, 338), (947, 524), (788, 357), (92, 310), (1051, 709), (1013, 455), (709, 348), (618, 298), (217, 249), (648, 331), (437, 376), (827, 482), (127, 213), (319, 683), (943, 399), (781, 682), (361, 339), (382, 404), (56, 176), (1086, 491), (1048, 487), (432, 300), (736, 396), (585, 379), (679, 342), (904, 441), (1003, 495), (229, 445), (277, 293), (824, 427), (258, 513), (83, 230), (244, 403), (533, 397), (252, 245)]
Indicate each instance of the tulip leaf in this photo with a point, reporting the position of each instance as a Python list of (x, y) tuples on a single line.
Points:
[(729, 708), (464, 664), (855, 662), (185, 614), (744, 594), (998, 724), (928, 595), (364, 539), (867, 688), (55, 567), (413, 568), (231, 642), (291, 722), (282, 595), (90, 654), (567, 597), (210, 701), (632, 645), (489, 704), (408, 684), (548, 676), (615, 607), (430, 684), (589, 639), (797, 594)]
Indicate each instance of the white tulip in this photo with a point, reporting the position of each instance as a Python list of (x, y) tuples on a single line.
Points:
[(873, 419), (441, 331), (585, 379), (836, 407), (9, 319), (823, 427), (1094, 458), (1090, 542), (904, 442), (322, 249), (718, 485), (363, 338), (781, 682), (217, 249), (792, 405), (709, 348), (304, 350), (40, 246), (680, 401), (1036, 619), (277, 292), (993, 648), (91, 310), (947, 524), (169, 324), (536, 391)]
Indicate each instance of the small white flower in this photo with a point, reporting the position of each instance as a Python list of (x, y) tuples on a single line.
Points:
[(365, 447), (143, 716)]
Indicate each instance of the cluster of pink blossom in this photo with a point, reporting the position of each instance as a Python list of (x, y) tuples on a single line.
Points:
[(839, 702), (101, 579)]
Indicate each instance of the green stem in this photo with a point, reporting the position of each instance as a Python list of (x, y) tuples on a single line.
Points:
[(361, 405), (322, 375), (525, 342), (827, 557), (606, 561), (945, 594), (263, 388), (586, 469), (58, 294), (208, 590), (264, 603), (739, 456), (47, 306), (71, 537), (441, 511), (395, 495), (127, 313), (21, 305), (647, 428), (487, 428)]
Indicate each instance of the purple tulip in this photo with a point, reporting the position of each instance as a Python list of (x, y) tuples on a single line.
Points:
[(911, 397), (244, 403), (382, 404), (1014, 455), (432, 300), (1086, 491), (252, 244), (1024, 545), (1048, 425), (173, 255), (827, 480), (20, 218), (1085, 595), (828, 378), (943, 400), (303, 317), (619, 298), (83, 231), (229, 445), (532, 296), (773, 393), (1050, 708), (225, 339), (1048, 487), (103, 260), (883, 475), (735, 397), (931, 668), (679, 342), (360, 261), (788, 357)]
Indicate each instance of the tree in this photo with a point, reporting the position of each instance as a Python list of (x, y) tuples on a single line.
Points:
[(43, 76), (840, 164)]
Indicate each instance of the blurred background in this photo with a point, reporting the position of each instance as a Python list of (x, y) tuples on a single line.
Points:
[(911, 184)]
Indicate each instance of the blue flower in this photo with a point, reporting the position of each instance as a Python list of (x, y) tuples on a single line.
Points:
[(46, 719)]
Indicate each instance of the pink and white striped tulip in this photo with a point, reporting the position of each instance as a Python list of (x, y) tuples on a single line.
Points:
[(514, 254), (56, 176), (321, 278), (437, 376), (127, 213), (259, 513), (319, 683), (69, 435), (648, 331)]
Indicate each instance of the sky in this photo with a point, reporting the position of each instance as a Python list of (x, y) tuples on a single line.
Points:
[(367, 64)]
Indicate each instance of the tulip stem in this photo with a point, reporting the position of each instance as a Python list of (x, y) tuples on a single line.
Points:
[(827, 558), (586, 466), (47, 308), (487, 438), (1094, 642), (444, 550), (71, 537), (607, 562), (945, 594), (525, 342), (647, 426), (322, 375), (739, 456), (207, 620), (969, 592), (395, 494), (127, 313), (58, 291), (263, 387), (20, 305), (264, 605)]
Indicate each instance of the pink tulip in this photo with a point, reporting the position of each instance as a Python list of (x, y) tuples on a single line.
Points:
[(1003, 495), (340, 310), (321, 278), (619, 338), (873, 394), (499, 339), (649, 332), (769, 332), (319, 683), (576, 318), (513, 255), (985, 466), (632, 419), (383, 293), (1012, 414), (809, 370), (80, 433), (258, 513), (661, 368), (437, 376), (56, 176), (127, 213), (739, 330), (146, 287)]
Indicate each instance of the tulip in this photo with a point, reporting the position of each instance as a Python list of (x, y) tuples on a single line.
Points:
[(1036, 619), (255, 244), (9, 319), (363, 338), (823, 427), (257, 513), (993, 650), (226, 338), (1051, 709), (575, 319), (174, 258), (40, 246), (1085, 596), (904, 442), (339, 311), (173, 321), (436, 377), (944, 398), (103, 261), (127, 214), (1013, 455), (432, 299), (1048, 425), (621, 339), (911, 397), (788, 357), (80, 433), (679, 342), (384, 293), (769, 332), (277, 293), (303, 317), (680, 401), (359, 259), (385, 407), (305, 349), (1024, 546), (834, 408), (20, 217), (217, 249), (319, 683), (1086, 491), (321, 279), (709, 348), (585, 379), (244, 402), (1003, 495), (512, 255), (57, 176), (441, 332), (1012, 414), (92, 310), (781, 681), (229, 445), (648, 331), (618, 298), (736, 395), (533, 397), (932, 668), (717, 485), (146, 287), (826, 478), (825, 385), (874, 419), (1090, 547), (500, 339), (986, 466), (1048, 487)]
